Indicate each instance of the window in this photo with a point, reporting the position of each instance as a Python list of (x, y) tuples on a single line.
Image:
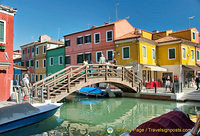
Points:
[(88, 56), (31, 63), (109, 55), (40, 77), (98, 55), (193, 35), (36, 63), (184, 53), (27, 63), (171, 53), (192, 54), (2, 31), (44, 63), (36, 77), (198, 55), (22, 63), (144, 51), (80, 40), (44, 76), (32, 77), (67, 43), (109, 36), (153, 54), (67, 60), (22, 52), (37, 50), (44, 49), (33, 49), (126, 52), (28, 50), (79, 58), (97, 38), (87, 39), (51, 61), (60, 60)]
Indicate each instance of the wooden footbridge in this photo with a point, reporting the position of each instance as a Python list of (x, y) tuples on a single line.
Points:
[(68, 80)]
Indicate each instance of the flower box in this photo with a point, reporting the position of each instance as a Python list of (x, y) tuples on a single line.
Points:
[(2, 47)]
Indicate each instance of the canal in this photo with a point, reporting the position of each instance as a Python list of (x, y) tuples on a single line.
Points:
[(91, 117)]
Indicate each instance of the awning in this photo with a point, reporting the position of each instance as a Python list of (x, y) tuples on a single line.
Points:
[(154, 68), (19, 67), (195, 67), (4, 65)]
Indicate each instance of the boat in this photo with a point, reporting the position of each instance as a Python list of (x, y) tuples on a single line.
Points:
[(91, 91), (21, 115), (173, 123)]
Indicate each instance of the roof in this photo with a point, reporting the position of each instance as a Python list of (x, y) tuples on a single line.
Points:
[(95, 27), (167, 39), (55, 47), (128, 36), (183, 30), (19, 67), (8, 9), (38, 43), (133, 35)]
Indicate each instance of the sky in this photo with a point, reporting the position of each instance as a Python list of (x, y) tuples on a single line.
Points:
[(57, 18)]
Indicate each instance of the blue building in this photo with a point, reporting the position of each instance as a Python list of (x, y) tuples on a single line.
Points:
[(18, 69)]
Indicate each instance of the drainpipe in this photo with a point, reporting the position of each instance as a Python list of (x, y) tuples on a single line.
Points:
[(138, 61), (180, 68)]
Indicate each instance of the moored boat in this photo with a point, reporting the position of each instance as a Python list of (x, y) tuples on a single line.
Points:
[(91, 91), (20, 115)]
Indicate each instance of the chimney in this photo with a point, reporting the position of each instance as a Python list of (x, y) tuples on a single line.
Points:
[(155, 31)]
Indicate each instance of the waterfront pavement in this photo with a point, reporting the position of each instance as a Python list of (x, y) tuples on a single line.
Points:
[(188, 94)]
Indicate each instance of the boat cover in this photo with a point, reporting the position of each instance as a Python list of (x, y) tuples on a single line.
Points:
[(92, 90), (16, 111), (173, 123)]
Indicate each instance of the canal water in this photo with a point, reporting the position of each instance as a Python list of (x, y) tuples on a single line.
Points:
[(91, 117)]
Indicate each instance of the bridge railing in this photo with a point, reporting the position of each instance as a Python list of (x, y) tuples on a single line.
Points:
[(67, 77)]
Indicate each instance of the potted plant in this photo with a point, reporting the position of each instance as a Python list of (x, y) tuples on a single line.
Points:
[(2, 46)]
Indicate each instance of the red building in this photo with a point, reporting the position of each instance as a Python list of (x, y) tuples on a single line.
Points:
[(6, 51), (91, 43), (28, 59)]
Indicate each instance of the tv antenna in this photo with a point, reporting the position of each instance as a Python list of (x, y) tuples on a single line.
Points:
[(117, 4), (192, 17)]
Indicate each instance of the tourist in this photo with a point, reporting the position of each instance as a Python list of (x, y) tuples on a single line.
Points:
[(90, 67), (197, 82), (168, 83), (163, 81), (101, 61), (85, 62), (115, 63), (108, 67), (25, 86)]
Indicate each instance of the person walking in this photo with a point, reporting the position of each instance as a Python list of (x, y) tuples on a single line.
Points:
[(26, 86), (197, 82), (168, 83), (101, 61)]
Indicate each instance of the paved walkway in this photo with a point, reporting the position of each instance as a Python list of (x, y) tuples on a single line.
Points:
[(7, 103)]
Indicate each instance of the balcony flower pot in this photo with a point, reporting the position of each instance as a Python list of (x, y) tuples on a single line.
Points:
[(2, 46)]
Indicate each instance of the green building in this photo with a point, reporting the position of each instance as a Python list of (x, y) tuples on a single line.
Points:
[(55, 60)]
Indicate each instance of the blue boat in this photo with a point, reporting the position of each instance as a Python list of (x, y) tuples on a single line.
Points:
[(91, 91), (20, 115)]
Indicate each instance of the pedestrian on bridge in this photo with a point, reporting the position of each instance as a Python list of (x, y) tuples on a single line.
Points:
[(197, 82)]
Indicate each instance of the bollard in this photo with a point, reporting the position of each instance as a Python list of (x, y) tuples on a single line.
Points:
[(155, 87), (181, 88), (20, 95)]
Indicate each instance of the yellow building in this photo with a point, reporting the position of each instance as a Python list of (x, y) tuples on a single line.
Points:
[(45, 43), (137, 49), (159, 54)]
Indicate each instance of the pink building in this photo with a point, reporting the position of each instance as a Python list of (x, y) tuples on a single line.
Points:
[(91, 43), (6, 51)]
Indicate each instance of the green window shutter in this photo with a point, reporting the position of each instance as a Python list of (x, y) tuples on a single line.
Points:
[(67, 60), (171, 53), (126, 53), (27, 63), (1, 31), (110, 56)]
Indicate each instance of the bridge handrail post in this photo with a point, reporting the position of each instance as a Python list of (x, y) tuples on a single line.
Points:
[(106, 72), (133, 77), (68, 83), (42, 94), (86, 72), (35, 93), (48, 93), (122, 73), (54, 77)]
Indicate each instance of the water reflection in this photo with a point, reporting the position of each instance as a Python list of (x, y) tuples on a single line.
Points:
[(92, 117)]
